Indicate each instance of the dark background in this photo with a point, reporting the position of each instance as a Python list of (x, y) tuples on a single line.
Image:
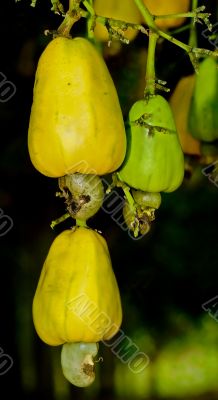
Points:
[(170, 272)]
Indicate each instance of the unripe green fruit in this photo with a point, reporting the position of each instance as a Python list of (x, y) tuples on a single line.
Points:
[(146, 199), (203, 115), (154, 160)]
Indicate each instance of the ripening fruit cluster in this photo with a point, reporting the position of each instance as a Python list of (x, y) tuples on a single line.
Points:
[(77, 134)]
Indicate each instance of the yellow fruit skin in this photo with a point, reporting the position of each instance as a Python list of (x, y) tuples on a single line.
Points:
[(165, 7), (124, 10), (76, 123), (77, 298), (180, 102)]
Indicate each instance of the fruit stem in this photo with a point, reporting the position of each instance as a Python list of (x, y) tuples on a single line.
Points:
[(126, 190), (74, 4), (193, 33), (188, 14), (129, 197), (90, 19), (181, 29), (81, 222), (192, 52), (193, 37), (72, 16), (148, 17), (89, 6), (150, 68), (66, 25), (59, 220)]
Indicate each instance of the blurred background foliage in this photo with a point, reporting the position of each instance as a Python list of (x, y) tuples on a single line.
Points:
[(164, 278)]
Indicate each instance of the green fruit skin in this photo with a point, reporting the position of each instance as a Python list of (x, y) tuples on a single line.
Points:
[(154, 160), (203, 113), (83, 185), (146, 199)]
